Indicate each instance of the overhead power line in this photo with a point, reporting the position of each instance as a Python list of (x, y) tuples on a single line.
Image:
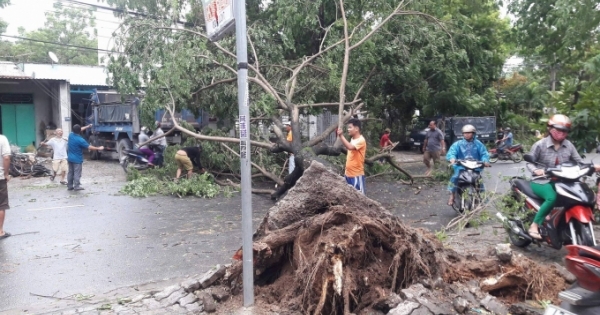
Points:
[(58, 44)]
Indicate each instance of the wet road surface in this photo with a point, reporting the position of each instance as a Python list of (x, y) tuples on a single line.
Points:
[(94, 241)]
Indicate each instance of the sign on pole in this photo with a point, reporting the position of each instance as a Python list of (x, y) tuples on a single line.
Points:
[(219, 18)]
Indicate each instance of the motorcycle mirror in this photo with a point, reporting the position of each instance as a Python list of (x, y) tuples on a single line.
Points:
[(528, 158)]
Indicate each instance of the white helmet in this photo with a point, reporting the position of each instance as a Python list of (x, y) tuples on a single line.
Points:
[(468, 128), (144, 129)]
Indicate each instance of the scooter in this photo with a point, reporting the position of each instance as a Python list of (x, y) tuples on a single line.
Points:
[(469, 186), (583, 297), (569, 223), (513, 153), (134, 158)]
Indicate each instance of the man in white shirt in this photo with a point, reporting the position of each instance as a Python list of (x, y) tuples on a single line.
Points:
[(4, 178), (159, 132), (59, 161)]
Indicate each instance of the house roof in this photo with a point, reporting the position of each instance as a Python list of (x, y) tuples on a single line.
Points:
[(9, 70), (75, 74)]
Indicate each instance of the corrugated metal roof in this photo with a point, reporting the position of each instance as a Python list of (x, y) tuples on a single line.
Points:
[(9, 70), (76, 75)]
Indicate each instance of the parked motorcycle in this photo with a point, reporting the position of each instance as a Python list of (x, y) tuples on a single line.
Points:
[(583, 297), (513, 153), (570, 222), (469, 186), (136, 159)]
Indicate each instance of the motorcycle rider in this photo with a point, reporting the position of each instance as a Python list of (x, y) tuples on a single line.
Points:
[(467, 148), (506, 141), (551, 151), (161, 142), (142, 138)]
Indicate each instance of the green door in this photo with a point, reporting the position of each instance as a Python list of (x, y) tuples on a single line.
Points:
[(18, 124)]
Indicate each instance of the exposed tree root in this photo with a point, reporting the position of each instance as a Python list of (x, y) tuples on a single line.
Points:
[(327, 249)]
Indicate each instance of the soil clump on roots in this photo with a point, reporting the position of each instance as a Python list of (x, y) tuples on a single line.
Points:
[(327, 249)]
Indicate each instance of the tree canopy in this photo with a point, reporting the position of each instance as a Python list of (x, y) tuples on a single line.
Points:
[(64, 27)]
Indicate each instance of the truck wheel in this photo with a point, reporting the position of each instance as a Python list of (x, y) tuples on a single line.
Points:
[(124, 144)]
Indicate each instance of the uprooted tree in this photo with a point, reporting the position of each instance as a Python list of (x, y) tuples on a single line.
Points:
[(304, 57)]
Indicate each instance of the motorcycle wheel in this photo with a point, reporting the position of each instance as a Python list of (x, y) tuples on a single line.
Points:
[(583, 234), (458, 201), (517, 157), (514, 237), (494, 160)]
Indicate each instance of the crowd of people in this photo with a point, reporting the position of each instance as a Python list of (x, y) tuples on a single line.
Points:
[(548, 151)]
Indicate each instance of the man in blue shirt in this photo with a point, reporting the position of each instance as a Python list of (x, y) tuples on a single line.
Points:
[(467, 148), (75, 147)]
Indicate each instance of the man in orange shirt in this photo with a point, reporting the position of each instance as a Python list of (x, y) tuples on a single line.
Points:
[(291, 161), (355, 160)]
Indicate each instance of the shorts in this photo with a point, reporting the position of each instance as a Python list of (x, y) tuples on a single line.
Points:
[(3, 195), (357, 182), (184, 162), (59, 166), (429, 155)]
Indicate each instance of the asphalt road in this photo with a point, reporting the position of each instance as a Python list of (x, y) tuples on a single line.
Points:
[(90, 242)]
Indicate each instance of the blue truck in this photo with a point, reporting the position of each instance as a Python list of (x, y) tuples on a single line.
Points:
[(116, 125)]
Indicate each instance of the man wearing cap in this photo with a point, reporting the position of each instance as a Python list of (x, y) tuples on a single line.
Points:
[(291, 161), (434, 146)]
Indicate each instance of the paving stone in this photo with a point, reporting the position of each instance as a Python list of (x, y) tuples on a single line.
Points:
[(404, 308), (423, 311), (504, 252), (188, 299), (151, 304), (138, 298), (461, 305), (177, 309), (413, 292), (212, 276), (194, 307), (190, 285), (220, 294), (566, 274), (166, 292), (173, 298), (491, 304), (432, 307)]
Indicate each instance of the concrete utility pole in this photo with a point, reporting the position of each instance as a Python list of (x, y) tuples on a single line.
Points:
[(244, 123)]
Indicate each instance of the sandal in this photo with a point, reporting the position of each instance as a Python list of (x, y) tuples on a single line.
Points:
[(6, 235), (535, 234), (63, 182), (52, 178)]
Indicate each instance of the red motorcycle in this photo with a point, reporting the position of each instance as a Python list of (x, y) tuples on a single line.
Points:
[(583, 297), (569, 223), (513, 153)]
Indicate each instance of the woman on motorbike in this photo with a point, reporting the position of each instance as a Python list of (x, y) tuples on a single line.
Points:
[(467, 148), (142, 138), (550, 151)]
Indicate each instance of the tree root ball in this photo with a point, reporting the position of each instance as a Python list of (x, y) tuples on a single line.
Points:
[(327, 249)]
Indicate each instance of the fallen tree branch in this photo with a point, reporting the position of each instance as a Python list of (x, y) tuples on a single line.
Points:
[(267, 174), (254, 190), (390, 159)]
